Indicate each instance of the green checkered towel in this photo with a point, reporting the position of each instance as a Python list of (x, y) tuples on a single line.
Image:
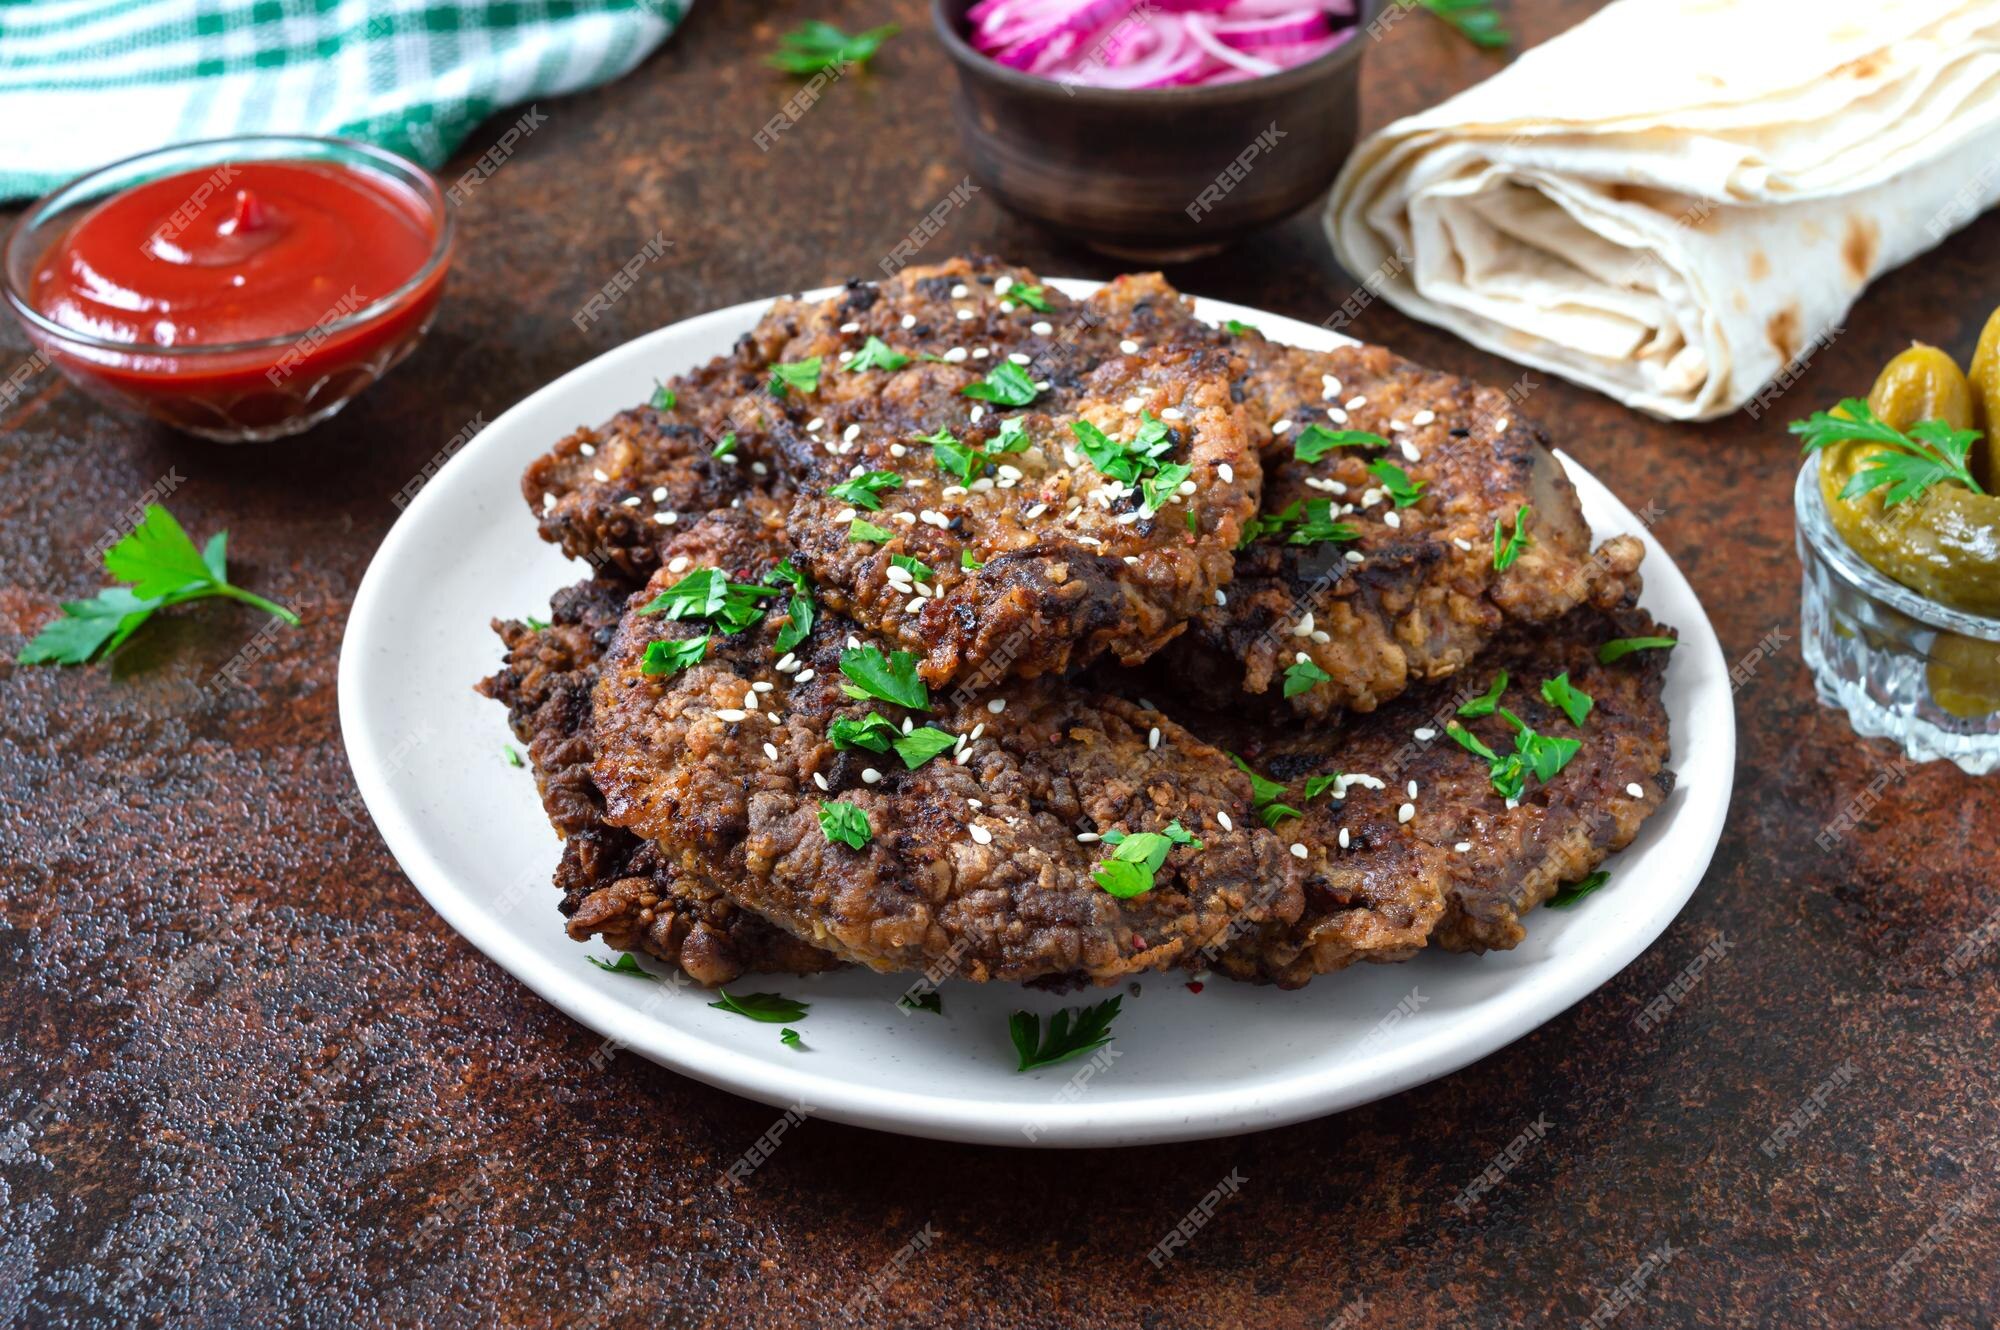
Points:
[(86, 82)]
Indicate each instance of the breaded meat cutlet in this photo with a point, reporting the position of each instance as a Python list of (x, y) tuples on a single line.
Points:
[(761, 770), (1377, 560), (1461, 867), (1023, 512), (613, 883)]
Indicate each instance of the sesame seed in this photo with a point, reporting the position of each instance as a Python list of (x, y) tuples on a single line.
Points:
[(1410, 453), (1634, 790), (1343, 838), (909, 320), (599, 476), (898, 450), (816, 423), (1153, 737), (846, 356), (1088, 837), (631, 501), (1172, 413), (975, 414), (819, 780), (665, 518), (1303, 628), (1406, 812), (548, 501), (1321, 636), (771, 751), (1220, 598), (805, 676), (964, 756), (762, 686), (850, 327), (850, 434), (1223, 819), (787, 662), (1393, 518), (870, 776), (1463, 846), (997, 705), (1461, 542), (1412, 788), (1355, 403), (1423, 417), (981, 835), (960, 291), (659, 494), (965, 316), (1037, 511), (1129, 347), (1298, 850), (975, 804), (679, 565), (1006, 307), (1501, 428), (731, 714), (1396, 426), (1280, 426), (1134, 405), (1424, 735), (1354, 556), (1336, 415), (845, 515), (1041, 327), (1002, 285), (1329, 387), (1227, 472), (906, 518)]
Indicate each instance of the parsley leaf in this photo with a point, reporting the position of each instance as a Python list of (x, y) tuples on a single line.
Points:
[(1546, 756), (1576, 891), (968, 563), (726, 447), (164, 568), (916, 568), (1157, 490), (771, 1008), (513, 757), (670, 658), (663, 397), (1318, 785), (539, 625), (864, 530), (798, 610), (891, 679), (707, 593), (1483, 705), (1573, 701), (1396, 482), (1315, 441), (800, 374), (1031, 296), (1262, 789), (1476, 21), (1318, 525), (922, 744), (1129, 871), (1007, 384), (877, 354), (1619, 648), (871, 732), (626, 963), (952, 457), (845, 824), (1505, 553), (811, 47), (1930, 452), (1470, 742), (1274, 813), (1065, 1039), (864, 490), (1235, 329), (789, 1038), (1302, 676)]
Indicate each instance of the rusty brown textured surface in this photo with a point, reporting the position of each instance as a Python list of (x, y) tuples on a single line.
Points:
[(247, 1077)]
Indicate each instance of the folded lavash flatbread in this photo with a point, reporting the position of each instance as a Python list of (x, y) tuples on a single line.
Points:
[(1677, 200)]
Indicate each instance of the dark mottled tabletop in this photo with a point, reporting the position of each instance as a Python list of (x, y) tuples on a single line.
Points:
[(247, 1077)]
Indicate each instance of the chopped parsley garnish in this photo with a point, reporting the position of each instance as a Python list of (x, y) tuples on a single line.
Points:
[(865, 490), (626, 963), (1318, 785), (1316, 441), (1471, 742), (1302, 676), (670, 658), (1135, 858), (1619, 648), (1476, 20), (929, 1002), (1928, 453), (1307, 523), (1065, 1039), (663, 397), (916, 568), (1031, 296), (539, 625), (770, 1008), (1483, 704), (1237, 329), (164, 568), (811, 47), (1275, 812), (789, 1038), (1267, 796), (968, 563), (890, 679), (1396, 482), (1159, 488), (1262, 789), (1559, 692), (1576, 891), (954, 458), (1193, 521), (798, 610), (513, 757), (1541, 754), (1141, 464), (800, 374), (1007, 384), (707, 593), (1508, 550), (877, 354), (922, 744), (1013, 437), (859, 529), (844, 824), (726, 447)]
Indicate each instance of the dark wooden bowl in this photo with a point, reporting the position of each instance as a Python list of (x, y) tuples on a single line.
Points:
[(1155, 174)]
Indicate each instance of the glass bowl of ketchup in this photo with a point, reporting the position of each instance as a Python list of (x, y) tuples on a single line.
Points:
[(239, 289)]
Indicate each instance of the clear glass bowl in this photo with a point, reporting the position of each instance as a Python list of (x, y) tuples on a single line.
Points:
[(230, 392), (1902, 666)]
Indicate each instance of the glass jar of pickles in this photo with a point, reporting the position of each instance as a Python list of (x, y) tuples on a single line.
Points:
[(1899, 536)]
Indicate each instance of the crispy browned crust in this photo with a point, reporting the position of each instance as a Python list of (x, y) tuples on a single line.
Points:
[(1398, 885), (614, 884)]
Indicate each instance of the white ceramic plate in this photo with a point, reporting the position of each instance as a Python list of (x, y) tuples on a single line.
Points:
[(467, 828)]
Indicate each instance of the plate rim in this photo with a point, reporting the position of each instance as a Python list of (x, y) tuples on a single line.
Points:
[(1541, 996)]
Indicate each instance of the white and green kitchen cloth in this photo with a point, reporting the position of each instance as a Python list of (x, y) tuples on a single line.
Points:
[(86, 82)]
